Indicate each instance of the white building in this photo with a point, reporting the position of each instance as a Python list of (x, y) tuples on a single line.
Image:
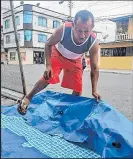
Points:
[(5, 6), (34, 25), (106, 30)]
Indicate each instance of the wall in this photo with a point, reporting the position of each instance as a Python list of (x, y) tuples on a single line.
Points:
[(12, 40), (122, 63), (29, 55), (3, 56), (5, 5), (20, 14), (49, 12), (106, 28), (116, 44), (130, 26), (50, 20), (35, 39)]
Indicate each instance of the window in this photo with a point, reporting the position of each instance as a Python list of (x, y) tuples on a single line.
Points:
[(42, 21), (113, 51), (28, 35), (7, 24), (122, 26), (17, 20), (129, 51), (42, 38), (12, 56), (56, 24), (27, 17), (7, 39)]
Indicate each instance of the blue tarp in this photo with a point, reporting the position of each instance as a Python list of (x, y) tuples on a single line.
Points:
[(12, 147), (79, 119)]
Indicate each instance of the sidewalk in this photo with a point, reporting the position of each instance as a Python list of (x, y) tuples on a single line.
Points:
[(126, 72)]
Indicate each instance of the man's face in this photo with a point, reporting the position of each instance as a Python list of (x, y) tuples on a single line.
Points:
[(82, 30)]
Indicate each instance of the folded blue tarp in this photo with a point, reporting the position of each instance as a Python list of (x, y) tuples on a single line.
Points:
[(79, 119)]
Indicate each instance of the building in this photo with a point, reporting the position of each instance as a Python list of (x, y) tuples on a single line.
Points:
[(106, 30), (4, 54), (5, 6), (34, 25), (118, 54)]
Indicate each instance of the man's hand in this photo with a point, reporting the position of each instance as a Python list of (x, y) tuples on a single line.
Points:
[(96, 95), (48, 72)]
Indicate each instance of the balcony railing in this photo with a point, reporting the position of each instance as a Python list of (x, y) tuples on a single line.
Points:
[(124, 37)]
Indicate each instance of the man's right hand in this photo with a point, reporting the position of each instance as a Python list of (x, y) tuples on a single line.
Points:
[(48, 72)]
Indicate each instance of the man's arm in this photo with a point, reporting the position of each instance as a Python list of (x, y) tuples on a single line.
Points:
[(94, 63), (53, 40)]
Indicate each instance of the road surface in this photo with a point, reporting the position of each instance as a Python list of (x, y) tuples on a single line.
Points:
[(115, 89)]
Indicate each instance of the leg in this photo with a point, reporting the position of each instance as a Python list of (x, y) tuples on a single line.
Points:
[(23, 105), (75, 93), (73, 80), (40, 85), (72, 77)]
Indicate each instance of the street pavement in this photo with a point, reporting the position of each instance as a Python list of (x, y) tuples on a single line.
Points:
[(115, 87)]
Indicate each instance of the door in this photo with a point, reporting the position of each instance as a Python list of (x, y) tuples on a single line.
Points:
[(38, 57)]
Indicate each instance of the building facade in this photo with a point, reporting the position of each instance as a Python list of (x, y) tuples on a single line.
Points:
[(118, 54), (4, 54), (5, 6), (34, 25)]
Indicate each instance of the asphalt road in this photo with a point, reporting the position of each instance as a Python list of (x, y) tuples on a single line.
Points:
[(115, 89)]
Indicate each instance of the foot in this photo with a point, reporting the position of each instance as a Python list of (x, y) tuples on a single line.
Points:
[(23, 105)]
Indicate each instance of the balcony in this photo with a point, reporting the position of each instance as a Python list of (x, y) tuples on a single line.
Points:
[(124, 37)]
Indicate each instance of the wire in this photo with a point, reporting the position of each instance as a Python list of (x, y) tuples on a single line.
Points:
[(60, 15), (93, 4), (62, 18), (116, 15), (103, 4), (110, 9)]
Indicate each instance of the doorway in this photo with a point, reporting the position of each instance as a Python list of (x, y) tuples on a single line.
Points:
[(38, 57)]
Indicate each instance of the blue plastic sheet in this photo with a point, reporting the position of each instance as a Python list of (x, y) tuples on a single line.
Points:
[(14, 145), (79, 119)]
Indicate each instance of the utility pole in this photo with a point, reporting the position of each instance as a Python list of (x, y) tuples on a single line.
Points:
[(18, 47), (70, 6)]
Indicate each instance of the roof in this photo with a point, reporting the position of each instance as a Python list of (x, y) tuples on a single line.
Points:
[(38, 7), (121, 18)]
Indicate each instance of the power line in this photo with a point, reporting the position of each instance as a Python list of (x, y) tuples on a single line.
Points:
[(110, 8), (52, 28), (99, 4), (91, 5), (63, 19)]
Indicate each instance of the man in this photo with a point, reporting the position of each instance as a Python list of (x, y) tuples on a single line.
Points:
[(83, 59), (64, 51)]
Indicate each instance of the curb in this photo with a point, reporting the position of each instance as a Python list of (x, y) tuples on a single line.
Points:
[(114, 72)]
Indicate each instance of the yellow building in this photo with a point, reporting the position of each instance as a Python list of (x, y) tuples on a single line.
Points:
[(119, 53)]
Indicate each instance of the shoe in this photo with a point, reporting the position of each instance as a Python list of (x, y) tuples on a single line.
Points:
[(23, 105)]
